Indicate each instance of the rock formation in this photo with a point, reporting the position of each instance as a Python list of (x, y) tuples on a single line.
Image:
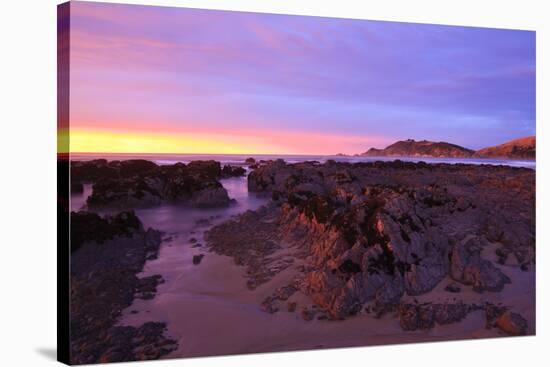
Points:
[(137, 183), (371, 233), (107, 254)]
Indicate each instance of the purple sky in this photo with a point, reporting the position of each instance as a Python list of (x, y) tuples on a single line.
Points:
[(294, 81)]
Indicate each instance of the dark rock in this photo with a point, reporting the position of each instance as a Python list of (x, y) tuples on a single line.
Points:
[(232, 171), (453, 288), (77, 187), (111, 252), (133, 167), (210, 169), (468, 267), (424, 317), (372, 232), (308, 314), (141, 183), (87, 227), (197, 259)]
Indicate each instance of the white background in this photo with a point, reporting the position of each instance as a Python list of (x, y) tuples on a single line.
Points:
[(28, 179)]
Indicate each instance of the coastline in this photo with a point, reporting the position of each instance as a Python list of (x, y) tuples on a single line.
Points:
[(203, 304)]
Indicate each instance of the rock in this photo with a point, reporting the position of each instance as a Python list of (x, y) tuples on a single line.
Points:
[(453, 288), (133, 167), (232, 171), (77, 187), (469, 268), (424, 317), (512, 323), (308, 314), (210, 198), (197, 259), (210, 169), (111, 252), (89, 171), (88, 227), (141, 183), (373, 232), (250, 160)]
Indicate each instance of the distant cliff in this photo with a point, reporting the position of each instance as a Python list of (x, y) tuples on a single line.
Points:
[(424, 148), (523, 148)]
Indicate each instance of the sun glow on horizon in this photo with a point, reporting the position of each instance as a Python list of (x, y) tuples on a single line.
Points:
[(82, 141), (236, 142)]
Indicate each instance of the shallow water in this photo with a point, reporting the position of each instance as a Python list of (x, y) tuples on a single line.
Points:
[(177, 219)]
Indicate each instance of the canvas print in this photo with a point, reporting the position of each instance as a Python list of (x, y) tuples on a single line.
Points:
[(233, 182)]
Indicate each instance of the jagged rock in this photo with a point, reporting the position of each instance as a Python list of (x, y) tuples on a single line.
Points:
[(88, 227), (112, 251), (211, 169), (468, 267), (372, 232), (512, 323), (424, 317), (138, 183), (232, 171)]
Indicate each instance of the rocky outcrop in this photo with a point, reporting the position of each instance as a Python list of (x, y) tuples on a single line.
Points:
[(90, 227), (424, 316), (469, 268), (250, 239), (370, 233), (523, 148), (111, 252), (423, 148), (512, 323), (139, 183), (232, 171), (77, 187)]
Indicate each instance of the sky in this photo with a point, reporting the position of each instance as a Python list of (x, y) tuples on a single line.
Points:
[(174, 80)]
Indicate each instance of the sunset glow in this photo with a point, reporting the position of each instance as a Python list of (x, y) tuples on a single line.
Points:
[(171, 80), (106, 141)]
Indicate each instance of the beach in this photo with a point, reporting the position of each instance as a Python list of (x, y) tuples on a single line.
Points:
[(214, 302)]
